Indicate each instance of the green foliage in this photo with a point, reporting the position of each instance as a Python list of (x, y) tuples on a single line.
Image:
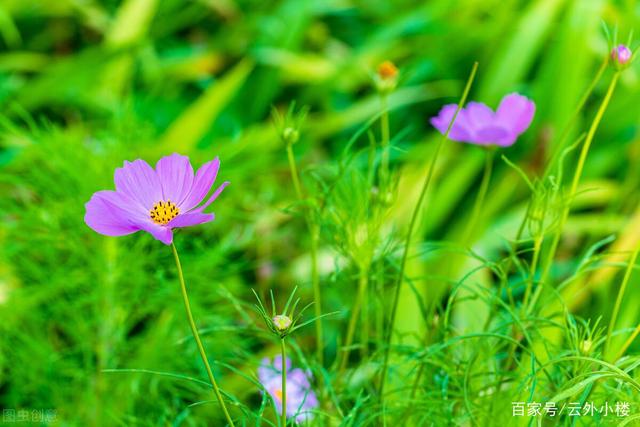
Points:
[(94, 328)]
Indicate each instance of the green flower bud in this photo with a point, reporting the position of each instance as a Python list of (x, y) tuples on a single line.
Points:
[(281, 322)]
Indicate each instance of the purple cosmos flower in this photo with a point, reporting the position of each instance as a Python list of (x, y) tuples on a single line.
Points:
[(155, 201), (301, 399), (478, 124), (621, 54)]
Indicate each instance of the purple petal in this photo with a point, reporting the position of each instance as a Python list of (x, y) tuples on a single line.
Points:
[(266, 372), (159, 232), (516, 112), (104, 215), (189, 219), (460, 131), (277, 363), (176, 177), (298, 377), (479, 115), (205, 177), (139, 181), (213, 197), (495, 135)]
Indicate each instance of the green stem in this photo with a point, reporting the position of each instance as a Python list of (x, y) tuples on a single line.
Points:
[(196, 336), (623, 287), (315, 281), (315, 277), (294, 172), (284, 383), (363, 281), (482, 193), (537, 243), (628, 343), (384, 130), (576, 179), (412, 224), (364, 350)]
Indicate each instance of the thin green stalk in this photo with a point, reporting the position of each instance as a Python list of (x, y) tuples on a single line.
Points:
[(363, 280), (412, 224), (576, 179), (364, 350), (315, 277), (537, 243), (196, 336), (623, 287), (294, 172), (315, 282), (284, 383), (384, 131), (482, 193), (627, 343), (379, 292)]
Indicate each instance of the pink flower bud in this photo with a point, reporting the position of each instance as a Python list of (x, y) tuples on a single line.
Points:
[(621, 54)]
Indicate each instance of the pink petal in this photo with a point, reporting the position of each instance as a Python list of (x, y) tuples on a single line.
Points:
[(479, 115), (495, 135), (205, 177), (189, 219), (213, 197), (516, 112), (159, 232), (176, 177), (461, 131), (139, 181), (104, 215), (277, 363)]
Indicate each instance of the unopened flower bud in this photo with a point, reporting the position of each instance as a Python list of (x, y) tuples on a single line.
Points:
[(621, 55), (387, 77), (387, 70), (290, 135), (281, 322), (586, 346)]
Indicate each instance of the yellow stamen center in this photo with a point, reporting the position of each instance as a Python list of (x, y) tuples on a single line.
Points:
[(278, 393), (163, 212)]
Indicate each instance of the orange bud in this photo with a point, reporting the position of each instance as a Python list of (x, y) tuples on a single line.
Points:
[(387, 70)]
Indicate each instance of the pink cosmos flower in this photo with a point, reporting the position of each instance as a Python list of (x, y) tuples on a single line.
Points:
[(478, 124), (155, 201), (301, 399)]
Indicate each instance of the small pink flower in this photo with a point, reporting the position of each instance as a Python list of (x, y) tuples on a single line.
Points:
[(478, 124), (621, 54), (155, 201), (301, 399)]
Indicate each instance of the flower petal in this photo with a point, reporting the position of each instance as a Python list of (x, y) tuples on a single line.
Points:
[(189, 219), (176, 177), (159, 232), (277, 363), (213, 197), (479, 115), (461, 130), (516, 112), (205, 177), (104, 215), (495, 135), (266, 371), (140, 182)]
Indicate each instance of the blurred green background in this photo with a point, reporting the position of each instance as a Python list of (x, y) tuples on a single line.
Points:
[(86, 84)]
